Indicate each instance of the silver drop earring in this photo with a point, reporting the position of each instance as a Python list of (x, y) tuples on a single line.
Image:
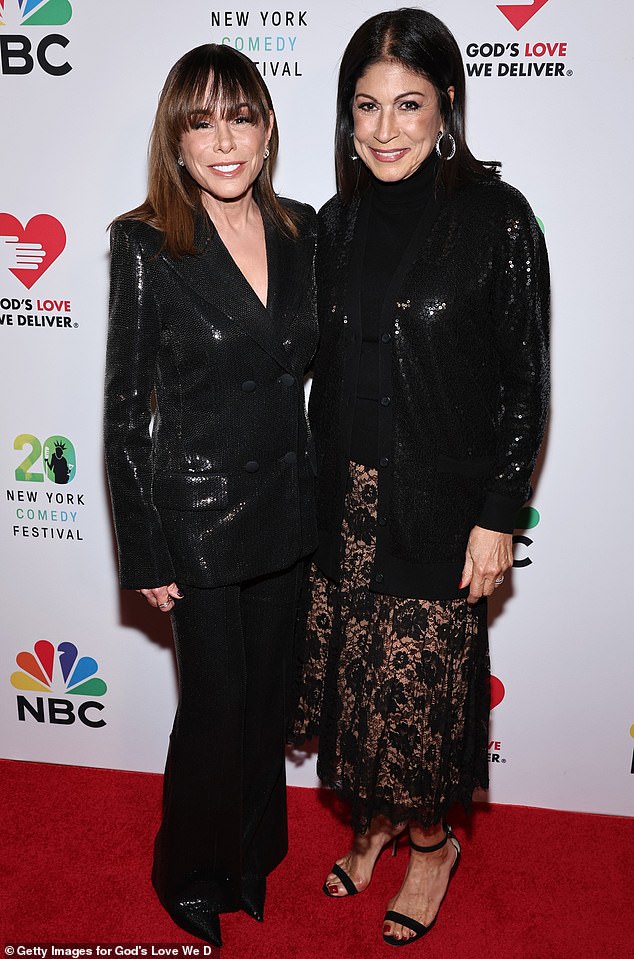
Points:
[(353, 156), (452, 145), (266, 153), (180, 160)]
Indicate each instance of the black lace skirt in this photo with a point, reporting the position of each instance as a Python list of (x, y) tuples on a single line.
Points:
[(396, 689)]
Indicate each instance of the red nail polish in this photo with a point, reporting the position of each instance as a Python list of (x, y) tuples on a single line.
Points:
[(333, 889), (460, 585), (386, 928)]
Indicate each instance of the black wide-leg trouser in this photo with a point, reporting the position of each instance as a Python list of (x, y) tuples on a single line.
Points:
[(224, 794)]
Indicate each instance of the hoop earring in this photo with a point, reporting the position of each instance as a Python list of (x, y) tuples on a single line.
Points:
[(180, 160), (266, 154), (452, 145)]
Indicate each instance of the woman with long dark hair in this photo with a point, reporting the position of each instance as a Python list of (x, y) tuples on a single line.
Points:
[(212, 315), (428, 407)]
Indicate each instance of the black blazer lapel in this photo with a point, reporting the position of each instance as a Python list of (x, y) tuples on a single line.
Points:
[(214, 276)]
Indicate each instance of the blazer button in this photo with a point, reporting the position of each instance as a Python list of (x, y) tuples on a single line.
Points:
[(290, 457), (379, 577), (386, 337), (385, 401), (384, 461), (252, 466), (248, 386), (382, 521), (286, 379)]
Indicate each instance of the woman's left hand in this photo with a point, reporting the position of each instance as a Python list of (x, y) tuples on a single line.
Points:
[(489, 555)]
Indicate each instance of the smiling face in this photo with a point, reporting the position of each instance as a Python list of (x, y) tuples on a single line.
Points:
[(396, 118), (224, 153)]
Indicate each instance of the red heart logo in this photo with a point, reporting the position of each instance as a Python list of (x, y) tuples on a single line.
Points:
[(520, 13), (48, 239), (497, 691)]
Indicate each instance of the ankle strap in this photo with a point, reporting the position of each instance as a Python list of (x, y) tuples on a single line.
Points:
[(436, 847)]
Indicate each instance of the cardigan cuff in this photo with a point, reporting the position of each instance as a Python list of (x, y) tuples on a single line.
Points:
[(499, 513)]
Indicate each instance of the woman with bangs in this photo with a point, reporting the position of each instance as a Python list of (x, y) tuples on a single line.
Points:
[(211, 469)]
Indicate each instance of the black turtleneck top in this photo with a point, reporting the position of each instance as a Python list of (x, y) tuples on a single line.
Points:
[(394, 212)]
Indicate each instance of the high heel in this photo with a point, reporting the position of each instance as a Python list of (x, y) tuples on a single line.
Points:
[(416, 927), (194, 916), (252, 896), (346, 881)]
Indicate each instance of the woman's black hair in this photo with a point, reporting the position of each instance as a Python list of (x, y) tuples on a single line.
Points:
[(422, 43)]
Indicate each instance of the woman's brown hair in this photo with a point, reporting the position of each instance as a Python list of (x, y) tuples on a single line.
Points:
[(209, 79)]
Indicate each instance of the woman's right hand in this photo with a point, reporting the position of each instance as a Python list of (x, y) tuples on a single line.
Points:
[(162, 597)]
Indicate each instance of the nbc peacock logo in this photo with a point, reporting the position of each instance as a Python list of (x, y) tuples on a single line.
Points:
[(23, 53), (35, 13), (58, 670)]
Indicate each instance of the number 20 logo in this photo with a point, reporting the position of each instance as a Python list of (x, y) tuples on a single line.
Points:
[(57, 454)]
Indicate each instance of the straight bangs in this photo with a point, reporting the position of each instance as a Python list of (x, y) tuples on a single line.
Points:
[(212, 80), (212, 83)]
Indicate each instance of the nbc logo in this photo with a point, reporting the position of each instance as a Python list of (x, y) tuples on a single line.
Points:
[(520, 13), (16, 50), (28, 251), (35, 13), (48, 670), (527, 518)]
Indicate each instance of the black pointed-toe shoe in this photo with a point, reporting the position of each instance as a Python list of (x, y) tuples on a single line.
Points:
[(253, 894), (195, 917)]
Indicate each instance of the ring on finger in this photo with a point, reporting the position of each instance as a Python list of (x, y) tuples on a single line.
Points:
[(499, 581), (165, 605)]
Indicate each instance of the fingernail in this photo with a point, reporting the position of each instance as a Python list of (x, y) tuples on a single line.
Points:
[(179, 594), (333, 889), (460, 585)]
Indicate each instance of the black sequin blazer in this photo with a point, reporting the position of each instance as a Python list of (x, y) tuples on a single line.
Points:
[(223, 489), (463, 381)]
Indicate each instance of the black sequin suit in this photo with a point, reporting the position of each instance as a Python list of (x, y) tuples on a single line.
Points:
[(219, 498)]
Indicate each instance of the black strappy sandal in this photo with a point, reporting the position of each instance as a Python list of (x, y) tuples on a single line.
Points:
[(418, 928), (346, 881)]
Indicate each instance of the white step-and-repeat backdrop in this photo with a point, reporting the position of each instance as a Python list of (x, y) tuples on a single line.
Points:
[(87, 674)]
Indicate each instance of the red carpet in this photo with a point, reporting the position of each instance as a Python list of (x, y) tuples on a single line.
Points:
[(532, 884)]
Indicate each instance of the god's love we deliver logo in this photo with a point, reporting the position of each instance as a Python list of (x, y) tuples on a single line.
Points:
[(497, 692), (28, 251), (520, 13), (60, 670), (530, 57)]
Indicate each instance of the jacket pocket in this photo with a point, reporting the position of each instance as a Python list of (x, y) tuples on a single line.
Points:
[(475, 467), (190, 491)]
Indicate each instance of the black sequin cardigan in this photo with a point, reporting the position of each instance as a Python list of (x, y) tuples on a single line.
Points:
[(463, 382)]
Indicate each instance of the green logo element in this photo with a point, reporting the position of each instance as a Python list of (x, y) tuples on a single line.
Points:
[(59, 459), (57, 453), (540, 224), (527, 518), (47, 14)]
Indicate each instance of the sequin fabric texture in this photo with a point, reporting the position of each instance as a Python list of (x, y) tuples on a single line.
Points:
[(223, 488), (468, 378)]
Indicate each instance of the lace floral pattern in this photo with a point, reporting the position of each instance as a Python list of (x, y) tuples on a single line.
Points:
[(397, 689)]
